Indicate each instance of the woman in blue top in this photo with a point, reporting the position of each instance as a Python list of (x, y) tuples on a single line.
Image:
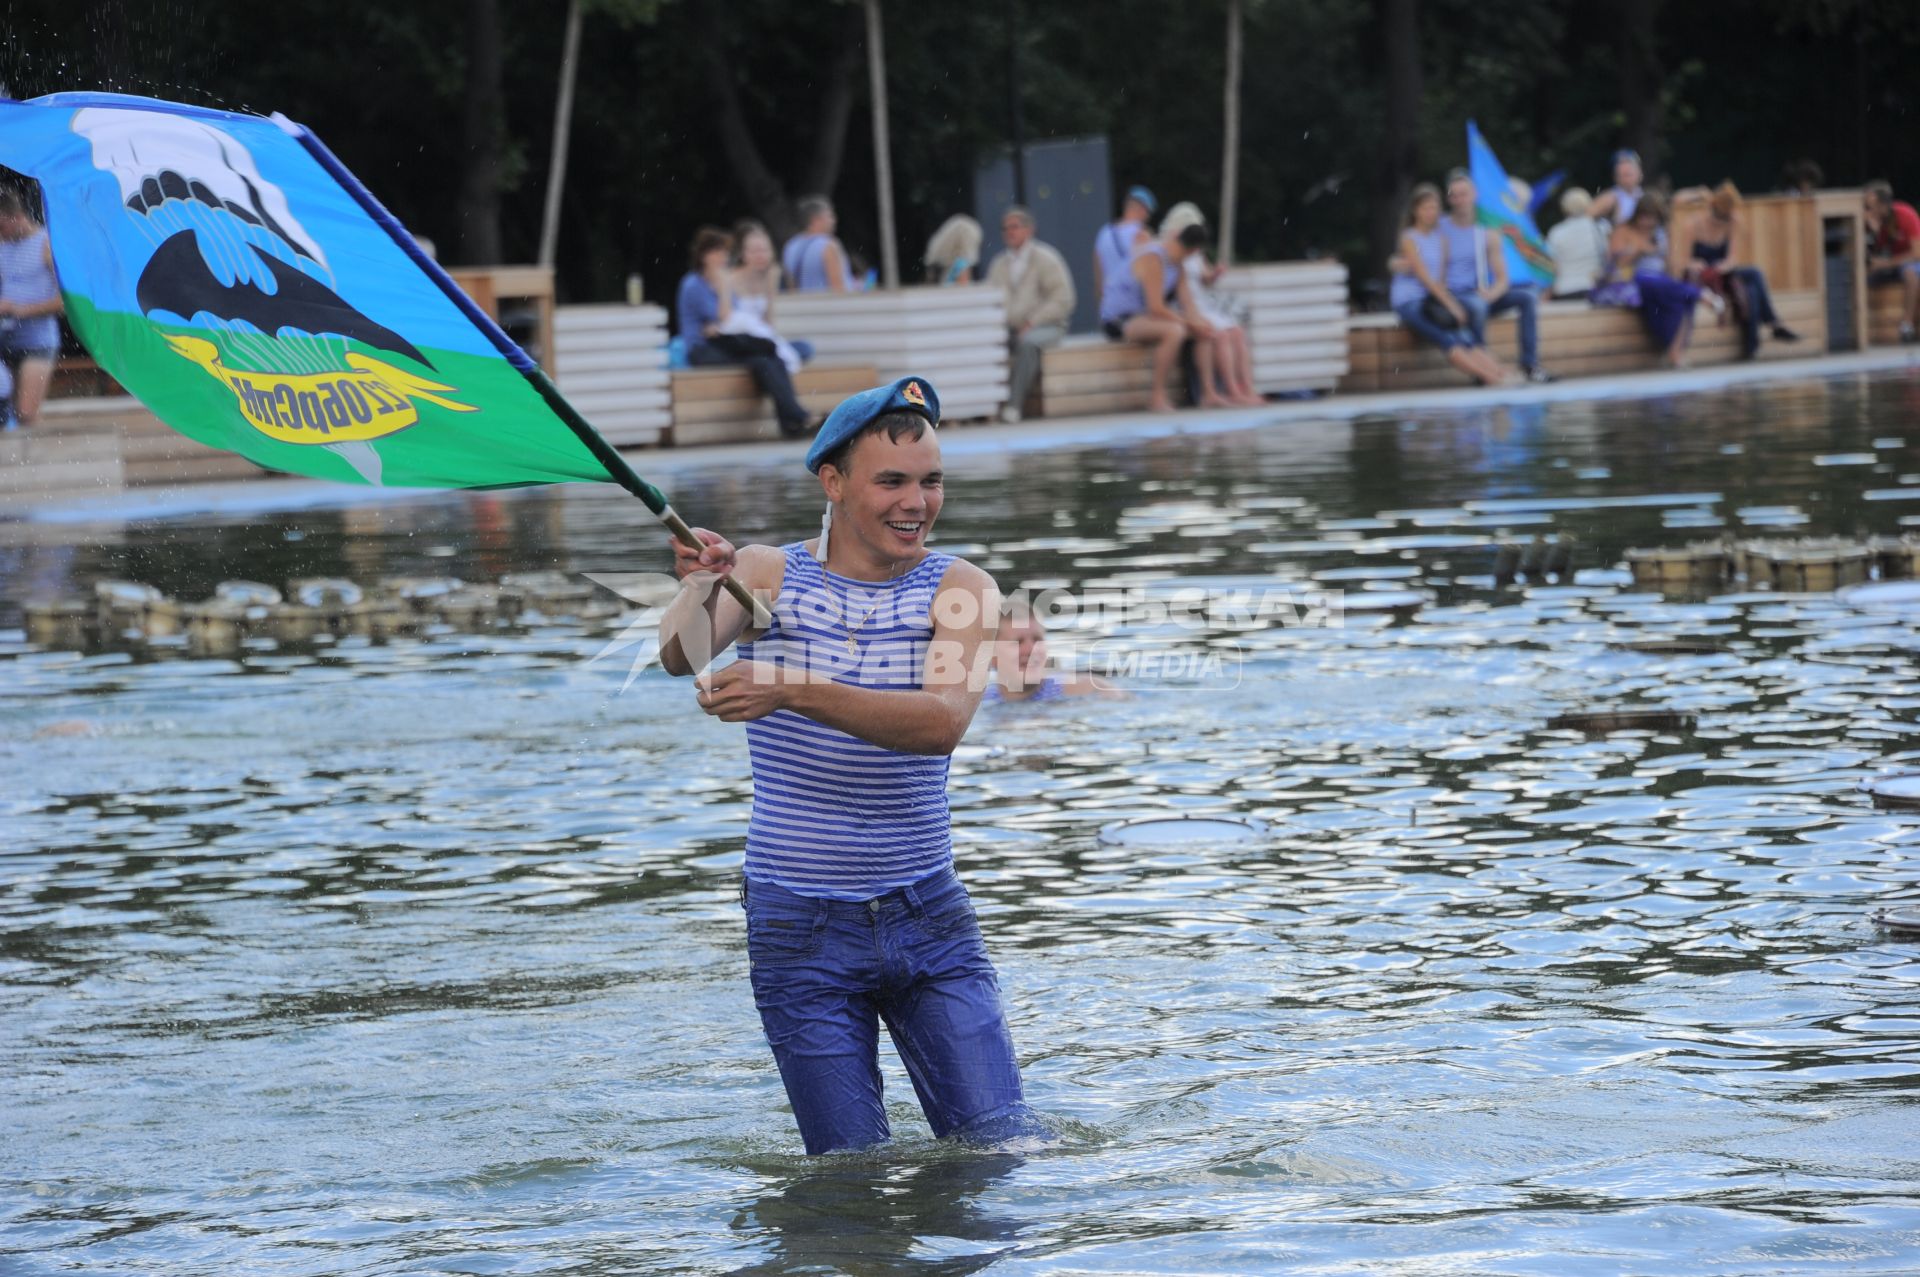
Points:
[(854, 696), (702, 310), (1419, 291), (30, 309), (1134, 307)]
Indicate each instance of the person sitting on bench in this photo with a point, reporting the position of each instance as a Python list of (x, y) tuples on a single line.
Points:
[(703, 311), (1422, 300)]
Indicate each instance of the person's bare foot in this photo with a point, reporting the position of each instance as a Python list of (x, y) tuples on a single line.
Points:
[(1215, 401), (1160, 404), (1250, 400)]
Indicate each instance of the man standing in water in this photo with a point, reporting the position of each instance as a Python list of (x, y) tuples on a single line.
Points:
[(854, 696)]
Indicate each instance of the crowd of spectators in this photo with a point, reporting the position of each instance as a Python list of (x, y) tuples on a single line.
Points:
[(1624, 247), (1158, 288)]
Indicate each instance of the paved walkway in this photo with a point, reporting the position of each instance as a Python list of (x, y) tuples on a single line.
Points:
[(957, 445)]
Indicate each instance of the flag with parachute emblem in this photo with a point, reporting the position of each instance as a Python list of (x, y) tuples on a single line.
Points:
[(230, 273), (1507, 212)]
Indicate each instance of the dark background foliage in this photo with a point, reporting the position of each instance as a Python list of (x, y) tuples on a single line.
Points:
[(693, 111)]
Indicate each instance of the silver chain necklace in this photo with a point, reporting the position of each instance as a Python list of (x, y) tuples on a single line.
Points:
[(839, 605)]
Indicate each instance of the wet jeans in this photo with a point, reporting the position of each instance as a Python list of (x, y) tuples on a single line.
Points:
[(827, 972)]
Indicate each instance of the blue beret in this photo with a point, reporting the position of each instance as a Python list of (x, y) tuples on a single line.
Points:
[(909, 394), (1145, 197)]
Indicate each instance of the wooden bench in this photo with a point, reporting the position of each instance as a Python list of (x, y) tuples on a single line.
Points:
[(611, 364), (1576, 340), (954, 337), (144, 450), (1296, 332), (1089, 374), (1883, 314), (79, 377), (1296, 318), (723, 405), (38, 464)]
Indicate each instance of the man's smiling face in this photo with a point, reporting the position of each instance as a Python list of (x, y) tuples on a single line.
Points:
[(889, 495)]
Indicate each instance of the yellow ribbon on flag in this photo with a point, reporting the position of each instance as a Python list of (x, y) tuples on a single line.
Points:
[(366, 400)]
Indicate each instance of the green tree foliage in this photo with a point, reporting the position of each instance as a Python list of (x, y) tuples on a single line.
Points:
[(1744, 88)]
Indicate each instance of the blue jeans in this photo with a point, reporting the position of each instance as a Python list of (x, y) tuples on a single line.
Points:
[(1521, 298), (827, 972), (1416, 321), (768, 373)]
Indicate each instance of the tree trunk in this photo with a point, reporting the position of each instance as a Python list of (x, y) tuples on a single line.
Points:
[(1400, 146), (1642, 86), (830, 119), (562, 124), (1016, 108), (882, 146), (1230, 133), (486, 135), (765, 191)]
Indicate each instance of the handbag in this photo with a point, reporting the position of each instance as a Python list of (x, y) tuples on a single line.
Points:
[(1434, 313)]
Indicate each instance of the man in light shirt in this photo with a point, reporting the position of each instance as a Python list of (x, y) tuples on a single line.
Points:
[(1476, 274), (1040, 301)]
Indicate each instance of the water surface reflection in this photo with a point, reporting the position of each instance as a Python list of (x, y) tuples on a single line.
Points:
[(425, 957)]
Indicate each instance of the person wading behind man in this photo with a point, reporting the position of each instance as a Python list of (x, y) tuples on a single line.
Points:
[(854, 698), (816, 261), (30, 309), (1040, 302), (1115, 245), (1477, 274)]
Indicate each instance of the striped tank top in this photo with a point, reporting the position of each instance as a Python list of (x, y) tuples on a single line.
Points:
[(1114, 247), (805, 261), (25, 277), (835, 816)]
